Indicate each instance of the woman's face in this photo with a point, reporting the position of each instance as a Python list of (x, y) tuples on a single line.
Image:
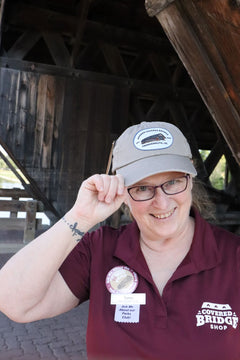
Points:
[(164, 216)]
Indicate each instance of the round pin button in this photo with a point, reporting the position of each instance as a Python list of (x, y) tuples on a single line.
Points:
[(121, 280)]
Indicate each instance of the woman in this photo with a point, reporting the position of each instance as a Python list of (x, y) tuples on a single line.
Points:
[(163, 287)]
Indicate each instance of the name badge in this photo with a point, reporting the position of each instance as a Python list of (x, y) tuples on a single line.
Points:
[(128, 299)]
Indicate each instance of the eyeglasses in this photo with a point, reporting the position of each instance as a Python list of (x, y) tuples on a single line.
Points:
[(170, 187)]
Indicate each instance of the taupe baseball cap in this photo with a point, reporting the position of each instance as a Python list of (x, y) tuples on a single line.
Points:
[(150, 148)]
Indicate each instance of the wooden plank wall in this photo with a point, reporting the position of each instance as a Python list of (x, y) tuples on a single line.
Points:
[(59, 128)]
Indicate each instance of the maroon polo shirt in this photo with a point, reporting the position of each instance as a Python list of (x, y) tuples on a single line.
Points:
[(195, 318)]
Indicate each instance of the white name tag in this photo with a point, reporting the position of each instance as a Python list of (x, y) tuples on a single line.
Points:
[(127, 313), (128, 299)]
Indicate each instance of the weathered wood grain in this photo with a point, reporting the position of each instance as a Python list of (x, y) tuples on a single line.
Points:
[(181, 28)]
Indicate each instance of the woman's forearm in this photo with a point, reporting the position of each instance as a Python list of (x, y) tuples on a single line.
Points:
[(26, 277)]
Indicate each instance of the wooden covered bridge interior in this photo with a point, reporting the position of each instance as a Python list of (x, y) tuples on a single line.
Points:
[(75, 73)]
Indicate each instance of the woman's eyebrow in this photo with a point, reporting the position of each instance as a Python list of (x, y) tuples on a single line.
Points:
[(145, 183)]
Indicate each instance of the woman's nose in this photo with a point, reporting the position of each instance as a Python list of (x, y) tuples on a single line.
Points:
[(160, 197)]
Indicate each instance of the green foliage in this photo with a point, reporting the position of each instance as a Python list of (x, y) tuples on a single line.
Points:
[(204, 154), (218, 176)]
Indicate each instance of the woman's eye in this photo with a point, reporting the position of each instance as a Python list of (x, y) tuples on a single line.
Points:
[(142, 188), (172, 182)]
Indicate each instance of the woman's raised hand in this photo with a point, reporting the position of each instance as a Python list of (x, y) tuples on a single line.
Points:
[(99, 197)]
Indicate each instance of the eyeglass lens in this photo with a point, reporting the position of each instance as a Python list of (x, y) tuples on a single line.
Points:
[(147, 192)]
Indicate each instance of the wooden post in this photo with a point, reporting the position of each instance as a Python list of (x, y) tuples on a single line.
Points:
[(30, 223), (2, 5)]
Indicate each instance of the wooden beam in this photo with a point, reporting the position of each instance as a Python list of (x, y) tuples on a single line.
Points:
[(14, 170), (153, 7), (113, 59), (14, 193), (18, 224), (30, 187), (57, 48), (2, 6), (30, 223), (138, 65), (214, 157), (24, 44), (142, 88), (196, 59), (133, 39), (160, 67), (32, 17), (82, 12), (157, 111), (12, 205), (88, 56)]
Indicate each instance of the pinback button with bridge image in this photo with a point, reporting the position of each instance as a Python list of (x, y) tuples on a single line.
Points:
[(121, 280)]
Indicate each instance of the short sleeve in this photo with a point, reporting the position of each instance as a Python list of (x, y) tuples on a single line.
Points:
[(75, 269)]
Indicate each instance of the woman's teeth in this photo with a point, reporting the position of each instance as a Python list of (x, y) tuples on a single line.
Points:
[(163, 216)]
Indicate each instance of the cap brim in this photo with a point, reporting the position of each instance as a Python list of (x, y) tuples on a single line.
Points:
[(143, 168)]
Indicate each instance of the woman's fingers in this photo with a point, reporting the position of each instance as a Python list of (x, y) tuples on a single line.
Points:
[(109, 187), (99, 196), (105, 187)]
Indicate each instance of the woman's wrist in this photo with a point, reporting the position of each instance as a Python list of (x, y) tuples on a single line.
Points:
[(76, 225), (77, 234)]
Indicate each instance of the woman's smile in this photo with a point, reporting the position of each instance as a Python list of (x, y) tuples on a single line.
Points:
[(164, 215)]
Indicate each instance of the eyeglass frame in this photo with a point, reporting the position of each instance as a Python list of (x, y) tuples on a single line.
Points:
[(187, 176)]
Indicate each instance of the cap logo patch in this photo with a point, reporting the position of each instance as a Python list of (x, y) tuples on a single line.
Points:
[(153, 139)]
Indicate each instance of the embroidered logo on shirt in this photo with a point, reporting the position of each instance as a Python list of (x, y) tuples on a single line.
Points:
[(216, 316)]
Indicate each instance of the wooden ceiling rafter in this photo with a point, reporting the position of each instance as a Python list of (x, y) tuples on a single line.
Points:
[(57, 48), (114, 59), (160, 67), (138, 64), (39, 19), (156, 111), (24, 44), (192, 39), (82, 12), (214, 157)]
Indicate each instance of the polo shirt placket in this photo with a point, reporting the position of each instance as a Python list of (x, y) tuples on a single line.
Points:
[(131, 255)]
